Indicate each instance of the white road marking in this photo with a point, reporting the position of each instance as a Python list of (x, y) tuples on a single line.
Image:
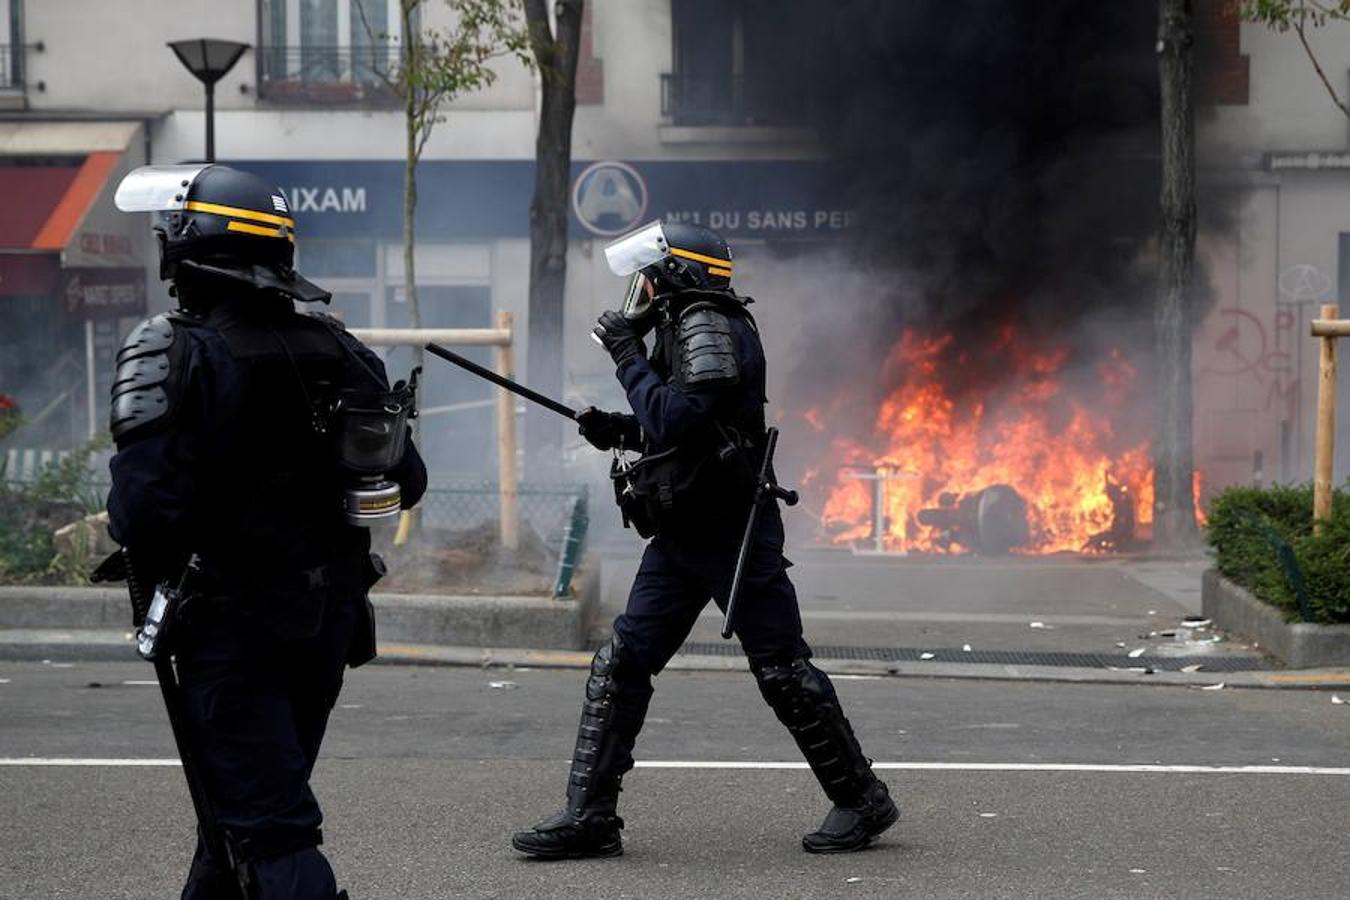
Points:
[(1118, 768), (90, 762), (1019, 767), (150, 683)]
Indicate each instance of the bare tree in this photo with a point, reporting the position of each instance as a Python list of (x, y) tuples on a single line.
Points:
[(556, 50), (1173, 452), (434, 67), (1298, 16)]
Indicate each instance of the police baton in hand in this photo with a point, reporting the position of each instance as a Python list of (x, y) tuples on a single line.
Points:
[(766, 491), (502, 381)]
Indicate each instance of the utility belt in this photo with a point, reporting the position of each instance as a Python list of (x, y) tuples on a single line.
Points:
[(279, 605), (687, 486)]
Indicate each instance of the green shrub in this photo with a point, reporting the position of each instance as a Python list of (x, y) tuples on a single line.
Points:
[(1264, 541), (29, 513)]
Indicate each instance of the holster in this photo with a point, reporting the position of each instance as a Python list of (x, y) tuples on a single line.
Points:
[(363, 648)]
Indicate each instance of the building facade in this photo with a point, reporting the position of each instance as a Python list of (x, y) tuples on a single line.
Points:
[(675, 121)]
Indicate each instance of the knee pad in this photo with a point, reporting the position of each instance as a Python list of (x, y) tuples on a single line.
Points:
[(253, 847), (616, 672)]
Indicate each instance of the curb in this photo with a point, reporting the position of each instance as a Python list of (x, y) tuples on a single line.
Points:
[(115, 646), (487, 620), (1300, 645)]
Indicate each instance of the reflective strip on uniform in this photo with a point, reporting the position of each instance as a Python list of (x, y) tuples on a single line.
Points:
[(238, 212)]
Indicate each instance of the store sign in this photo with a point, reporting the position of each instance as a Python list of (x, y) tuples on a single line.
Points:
[(103, 294), (609, 198), (1309, 161), (486, 199)]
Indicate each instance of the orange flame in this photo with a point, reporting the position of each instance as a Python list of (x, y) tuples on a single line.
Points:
[(1082, 480)]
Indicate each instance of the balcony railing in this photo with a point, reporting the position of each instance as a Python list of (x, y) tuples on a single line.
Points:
[(309, 75), (736, 100)]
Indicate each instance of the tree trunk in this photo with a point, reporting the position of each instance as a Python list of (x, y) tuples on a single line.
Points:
[(412, 126), (556, 54), (1173, 452)]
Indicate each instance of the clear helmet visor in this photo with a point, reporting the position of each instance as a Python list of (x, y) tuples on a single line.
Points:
[(638, 250), (156, 188), (637, 302)]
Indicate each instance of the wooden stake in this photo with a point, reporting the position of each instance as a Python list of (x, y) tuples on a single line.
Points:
[(1326, 426), (507, 488)]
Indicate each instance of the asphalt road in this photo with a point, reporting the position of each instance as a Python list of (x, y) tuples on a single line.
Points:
[(428, 770)]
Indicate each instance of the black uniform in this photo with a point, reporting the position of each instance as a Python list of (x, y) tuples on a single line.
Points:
[(219, 455), (698, 416)]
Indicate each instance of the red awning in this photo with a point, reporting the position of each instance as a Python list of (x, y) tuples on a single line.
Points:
[(42, 205)]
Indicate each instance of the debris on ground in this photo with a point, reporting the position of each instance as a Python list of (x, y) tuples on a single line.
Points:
[(503, 685), (1136, 652), (467, 561), (1193, 667), (1213, 687), (927, 655)]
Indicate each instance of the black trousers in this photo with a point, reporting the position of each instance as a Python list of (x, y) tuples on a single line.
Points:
[(681, 572), (257, 708)]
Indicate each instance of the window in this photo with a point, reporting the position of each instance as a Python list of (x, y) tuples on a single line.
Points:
[(742, 62), (326, 51), (11, 46)]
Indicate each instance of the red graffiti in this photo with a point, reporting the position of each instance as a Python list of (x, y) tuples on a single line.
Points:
[(1244, 347)]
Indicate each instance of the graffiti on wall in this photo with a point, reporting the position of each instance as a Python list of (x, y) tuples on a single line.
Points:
[(1262, 349)]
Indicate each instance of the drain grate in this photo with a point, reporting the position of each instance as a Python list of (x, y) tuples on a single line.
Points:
[(1007, 657)]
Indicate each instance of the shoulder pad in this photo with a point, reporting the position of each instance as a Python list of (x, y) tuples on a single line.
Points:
[(328, 319), (706, 350), (146, 384)]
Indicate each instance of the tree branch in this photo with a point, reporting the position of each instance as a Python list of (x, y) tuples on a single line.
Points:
[(1303, 39)]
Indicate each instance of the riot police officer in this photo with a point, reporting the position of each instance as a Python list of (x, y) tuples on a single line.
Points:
[(228, 415), (698, 419)]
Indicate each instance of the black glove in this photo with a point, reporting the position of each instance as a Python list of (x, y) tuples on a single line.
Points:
[(607, 430), (619, 336)]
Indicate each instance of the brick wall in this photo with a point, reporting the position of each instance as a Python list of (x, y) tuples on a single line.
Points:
[(590, 71), (1222, 71)]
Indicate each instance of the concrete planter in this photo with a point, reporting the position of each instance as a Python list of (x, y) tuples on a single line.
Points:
[(1299, 645), (474, 621)]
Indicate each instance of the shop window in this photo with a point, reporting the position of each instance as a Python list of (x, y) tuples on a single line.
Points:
[(458, 420), (742, 62)]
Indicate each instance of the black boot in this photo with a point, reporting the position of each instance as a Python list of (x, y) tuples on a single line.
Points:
[(804, 700), (617, 694)]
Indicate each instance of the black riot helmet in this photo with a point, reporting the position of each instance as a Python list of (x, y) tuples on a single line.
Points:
[(220, 223), (672, 256)]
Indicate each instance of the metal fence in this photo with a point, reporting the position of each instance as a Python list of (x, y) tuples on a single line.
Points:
[(455, 506), (317, 75)]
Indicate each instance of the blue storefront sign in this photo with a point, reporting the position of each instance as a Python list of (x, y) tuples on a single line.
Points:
[(484, 199)]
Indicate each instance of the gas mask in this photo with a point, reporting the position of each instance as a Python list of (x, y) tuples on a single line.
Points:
[(371, 430)]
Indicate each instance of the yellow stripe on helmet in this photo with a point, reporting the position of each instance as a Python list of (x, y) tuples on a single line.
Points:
[(260, 230), (714, 270), (238, 212), (699, 257)]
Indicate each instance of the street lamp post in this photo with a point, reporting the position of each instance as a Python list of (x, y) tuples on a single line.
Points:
[(209, 59)]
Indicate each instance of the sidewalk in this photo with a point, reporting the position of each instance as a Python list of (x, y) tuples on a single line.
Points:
[(1112, 621)]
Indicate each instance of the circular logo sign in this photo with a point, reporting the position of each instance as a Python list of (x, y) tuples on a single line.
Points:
[(609, 198)]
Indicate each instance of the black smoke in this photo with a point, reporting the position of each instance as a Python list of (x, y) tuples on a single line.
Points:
[(1001, 158)]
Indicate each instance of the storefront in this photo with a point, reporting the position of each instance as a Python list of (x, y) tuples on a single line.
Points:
[(72, 275)]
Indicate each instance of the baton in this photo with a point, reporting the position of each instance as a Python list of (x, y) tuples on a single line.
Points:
[(502, 381), (765, 491)]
